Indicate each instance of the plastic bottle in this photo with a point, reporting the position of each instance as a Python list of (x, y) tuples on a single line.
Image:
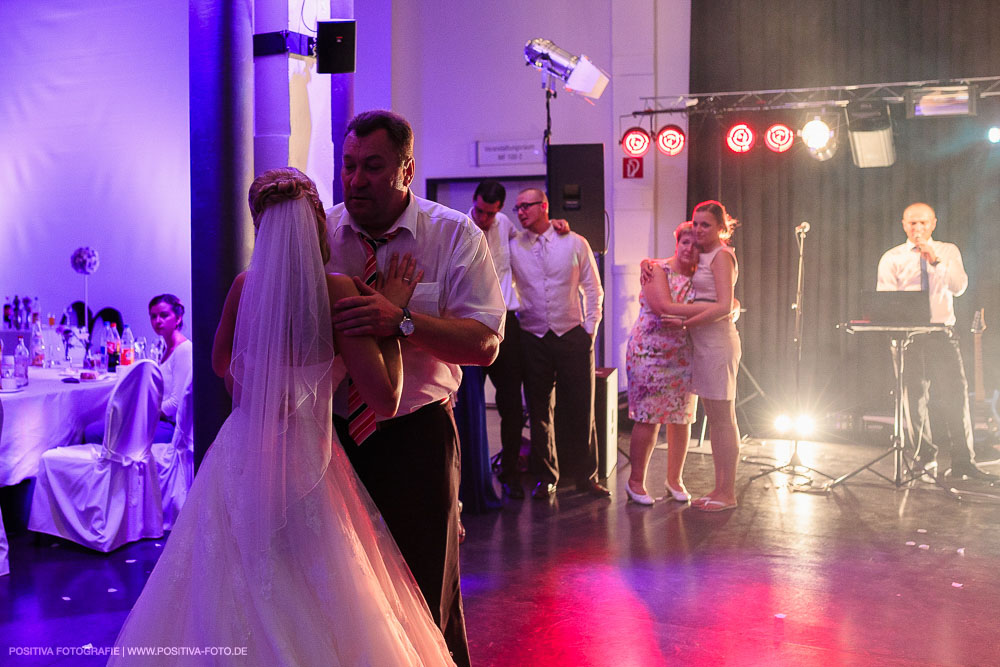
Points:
[(113, 345), (37, 345), (128, 347), (21, 359)]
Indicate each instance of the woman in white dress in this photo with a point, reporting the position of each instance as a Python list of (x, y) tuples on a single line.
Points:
[(717, 348), (279, 557)]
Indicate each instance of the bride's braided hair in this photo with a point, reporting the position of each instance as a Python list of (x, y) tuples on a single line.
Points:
[(283, 184)]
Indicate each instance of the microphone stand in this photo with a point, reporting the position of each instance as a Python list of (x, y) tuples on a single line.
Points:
[(794, 463)]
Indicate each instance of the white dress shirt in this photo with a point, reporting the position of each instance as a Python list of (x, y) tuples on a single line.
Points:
[(459, 282), (551, 272), (177, 372), (899, 271), (498, 238)]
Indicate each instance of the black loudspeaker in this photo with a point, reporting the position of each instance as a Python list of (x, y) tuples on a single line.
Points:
[(606, 419), (574, 176), (335, 46)]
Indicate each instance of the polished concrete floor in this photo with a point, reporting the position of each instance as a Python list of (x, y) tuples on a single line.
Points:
[(866, 574)]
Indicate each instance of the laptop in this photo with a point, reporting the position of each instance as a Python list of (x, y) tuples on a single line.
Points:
[(895, 308)]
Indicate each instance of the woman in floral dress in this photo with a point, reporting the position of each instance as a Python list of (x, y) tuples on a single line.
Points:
[(658, 363)]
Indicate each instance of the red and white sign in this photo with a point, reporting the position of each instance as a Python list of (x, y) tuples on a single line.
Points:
[(631, 167)]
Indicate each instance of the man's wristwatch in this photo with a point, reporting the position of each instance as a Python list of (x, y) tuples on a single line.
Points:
[(406, 326)]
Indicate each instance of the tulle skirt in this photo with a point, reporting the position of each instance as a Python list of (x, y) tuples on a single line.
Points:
[(332, 589)]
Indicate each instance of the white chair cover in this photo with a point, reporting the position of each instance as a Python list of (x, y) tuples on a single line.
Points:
[(103, 497), (175, 461)]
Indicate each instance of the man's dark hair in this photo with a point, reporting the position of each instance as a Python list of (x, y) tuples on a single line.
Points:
[(398, 128), (491, 191)]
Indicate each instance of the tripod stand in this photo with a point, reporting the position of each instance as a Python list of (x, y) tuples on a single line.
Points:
[(794, 463)]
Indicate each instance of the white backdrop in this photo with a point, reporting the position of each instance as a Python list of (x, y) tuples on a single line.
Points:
[(94, 151)]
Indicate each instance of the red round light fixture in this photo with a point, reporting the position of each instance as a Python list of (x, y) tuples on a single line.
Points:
[(779, 137), (740, 138), (670, 140), (635, 142)]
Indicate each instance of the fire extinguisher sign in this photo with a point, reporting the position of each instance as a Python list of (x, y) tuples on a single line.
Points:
[(632, 167)]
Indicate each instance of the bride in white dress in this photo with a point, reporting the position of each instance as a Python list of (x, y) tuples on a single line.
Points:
[(279, 556)]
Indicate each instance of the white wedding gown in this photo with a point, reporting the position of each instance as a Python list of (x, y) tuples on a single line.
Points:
[(332, 589)]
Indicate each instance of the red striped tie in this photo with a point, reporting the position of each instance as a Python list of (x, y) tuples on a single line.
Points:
[(361, 418)]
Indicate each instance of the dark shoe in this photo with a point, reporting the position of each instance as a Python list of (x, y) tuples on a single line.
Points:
[(971, 471), (593, 488), (543, 490), (512, 491)]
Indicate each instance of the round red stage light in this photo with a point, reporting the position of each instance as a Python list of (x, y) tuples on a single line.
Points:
[(670, 140), (740, 138), (635, 143), (779, 138)]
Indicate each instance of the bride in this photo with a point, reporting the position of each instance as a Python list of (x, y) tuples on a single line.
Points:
[(279, 556)]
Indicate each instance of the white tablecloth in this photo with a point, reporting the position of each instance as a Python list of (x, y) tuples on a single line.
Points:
[(47, 413)]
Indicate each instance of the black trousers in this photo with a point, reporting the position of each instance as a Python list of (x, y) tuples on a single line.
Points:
[(559, 382), (507, 376), (936, 398), (411, 468)]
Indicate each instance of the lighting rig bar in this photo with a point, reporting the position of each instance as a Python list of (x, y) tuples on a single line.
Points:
[(800, 98)]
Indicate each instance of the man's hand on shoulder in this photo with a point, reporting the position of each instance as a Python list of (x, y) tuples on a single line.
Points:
[(561, 226), (368, 314)]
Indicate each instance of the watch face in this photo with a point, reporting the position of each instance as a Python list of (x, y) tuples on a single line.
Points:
[(406, 326)]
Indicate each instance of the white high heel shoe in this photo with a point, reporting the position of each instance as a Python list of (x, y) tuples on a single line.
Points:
[(638, 498), (679, 496)]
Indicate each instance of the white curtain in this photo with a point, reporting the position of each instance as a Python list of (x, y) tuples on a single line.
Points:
[(94, 152)]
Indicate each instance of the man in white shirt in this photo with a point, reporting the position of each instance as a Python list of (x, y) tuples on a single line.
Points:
[(935, 387), (552, 272), (410, 463)]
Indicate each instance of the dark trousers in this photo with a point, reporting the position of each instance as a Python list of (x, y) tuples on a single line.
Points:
[(411, 468), (936, 398), (507, 375), (476, 491), (559, 371)]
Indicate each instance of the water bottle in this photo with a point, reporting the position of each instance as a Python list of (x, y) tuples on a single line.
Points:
[(37, 346), (21, 359), (128, 347), (113, 345)]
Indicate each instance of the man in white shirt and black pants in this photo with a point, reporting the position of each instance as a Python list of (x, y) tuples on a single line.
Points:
[(410, 464), (552, 272), (935, 388)]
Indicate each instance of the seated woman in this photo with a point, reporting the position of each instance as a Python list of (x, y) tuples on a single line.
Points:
[(658, 361), (166, 315)]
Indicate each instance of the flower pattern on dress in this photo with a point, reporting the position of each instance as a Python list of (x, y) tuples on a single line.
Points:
[(658, 362)]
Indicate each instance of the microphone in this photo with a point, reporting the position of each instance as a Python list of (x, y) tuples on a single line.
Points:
[(802, 228)]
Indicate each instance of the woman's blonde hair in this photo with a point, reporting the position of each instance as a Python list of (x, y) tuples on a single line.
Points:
[(286, 183)]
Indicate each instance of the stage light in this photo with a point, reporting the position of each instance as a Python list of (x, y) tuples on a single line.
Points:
[(635, 142), (670, 140), (740, 138), (783, 424), (993, 135), (941, 101), (869, 130), (804, 425), (581, 75), (779, 137), (820, 138)]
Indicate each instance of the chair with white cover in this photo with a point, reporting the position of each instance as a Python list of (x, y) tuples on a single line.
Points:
[(175, 461), (103, 497), (4, 563)]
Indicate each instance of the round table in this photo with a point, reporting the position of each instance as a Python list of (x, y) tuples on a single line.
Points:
[(47, 413)]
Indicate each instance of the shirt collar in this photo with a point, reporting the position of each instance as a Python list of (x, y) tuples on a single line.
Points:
[(545, 236), (407, 220), (910, 245)]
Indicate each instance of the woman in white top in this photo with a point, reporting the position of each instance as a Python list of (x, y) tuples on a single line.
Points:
[(717, 347), (166, 316)]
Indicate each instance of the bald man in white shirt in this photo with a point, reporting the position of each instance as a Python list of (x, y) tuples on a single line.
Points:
[(935, 388), (552, 272)]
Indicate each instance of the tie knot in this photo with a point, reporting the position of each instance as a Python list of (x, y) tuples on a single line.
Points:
[(373, 244)]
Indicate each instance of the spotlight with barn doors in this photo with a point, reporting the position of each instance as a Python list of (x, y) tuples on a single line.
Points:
[(635, 142), (740, 138), (670, 140)]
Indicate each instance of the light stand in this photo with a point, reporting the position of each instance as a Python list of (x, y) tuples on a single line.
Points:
[(794, 463), (548, 81)]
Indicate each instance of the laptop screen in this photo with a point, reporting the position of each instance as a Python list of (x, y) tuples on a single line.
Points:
[(895, 308)]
